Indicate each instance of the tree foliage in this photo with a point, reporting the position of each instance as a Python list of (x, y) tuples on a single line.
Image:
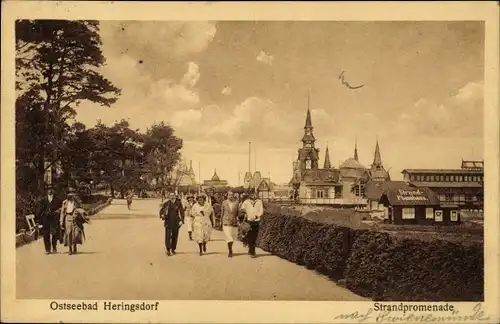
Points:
[(57, 68)]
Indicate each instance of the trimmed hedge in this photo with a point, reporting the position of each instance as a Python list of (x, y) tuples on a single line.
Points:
[(376, 264), (387, 268)]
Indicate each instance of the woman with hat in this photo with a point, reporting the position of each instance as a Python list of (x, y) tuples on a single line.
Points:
[(187, 215), (202, 227), (72, 219)]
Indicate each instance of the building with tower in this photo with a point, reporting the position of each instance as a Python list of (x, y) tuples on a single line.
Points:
[(187, 178), (215, 182), (343, 186)]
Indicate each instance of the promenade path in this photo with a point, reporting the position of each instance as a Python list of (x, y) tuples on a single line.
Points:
[(124, 258)]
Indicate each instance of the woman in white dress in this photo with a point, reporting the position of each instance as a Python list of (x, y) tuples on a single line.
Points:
[(202, 227), (187, 215)]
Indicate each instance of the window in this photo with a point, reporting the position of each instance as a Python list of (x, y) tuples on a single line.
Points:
[(448, 197), (419, 178), (441, 178), (462, 198), (454, 216), (320, 194), (438, 216), (442, 198), (460, 178), (432, 178), (412, 178), (408, 213), (308, 164), (427, 178), (429, 213), (447, 178)]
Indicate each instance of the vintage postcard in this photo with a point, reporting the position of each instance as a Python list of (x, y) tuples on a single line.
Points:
[(250, 162)]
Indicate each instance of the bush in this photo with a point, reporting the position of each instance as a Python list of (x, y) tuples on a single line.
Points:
[(377, 264), (386, 268)]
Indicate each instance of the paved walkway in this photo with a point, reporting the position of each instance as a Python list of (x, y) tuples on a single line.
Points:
[(124, 258)]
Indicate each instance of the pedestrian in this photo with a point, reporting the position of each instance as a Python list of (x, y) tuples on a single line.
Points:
[(48, 217), (253, 209), (202, 228), (229, 217), (187, 215), (212, 201), (129, 199), (173, 216), (243, 226), (72, 218)]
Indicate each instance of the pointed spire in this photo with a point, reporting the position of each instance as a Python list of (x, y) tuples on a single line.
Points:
[(356, 149), (327, 165), (190, 165), (377, 160), (215, 177), (308, 119)]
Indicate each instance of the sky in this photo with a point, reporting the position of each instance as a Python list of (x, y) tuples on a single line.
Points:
[(223, 84)]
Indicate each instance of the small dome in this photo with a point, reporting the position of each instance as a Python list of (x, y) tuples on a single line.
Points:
[(351, 163), (215, 177)]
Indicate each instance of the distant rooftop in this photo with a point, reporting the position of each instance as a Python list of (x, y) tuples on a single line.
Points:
[(472, 164), (443, 171)]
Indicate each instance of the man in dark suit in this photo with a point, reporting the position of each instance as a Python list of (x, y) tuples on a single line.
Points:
[(173, 218), (48, 217)]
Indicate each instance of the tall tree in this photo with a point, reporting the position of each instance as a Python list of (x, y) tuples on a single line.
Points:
[(162, 152), (57, 61)]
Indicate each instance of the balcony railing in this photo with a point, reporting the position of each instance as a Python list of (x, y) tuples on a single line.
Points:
[(326, 201)]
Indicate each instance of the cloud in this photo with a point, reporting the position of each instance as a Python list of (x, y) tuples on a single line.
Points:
[(144, 100), (265, 58), (192, 75), (458, 116), (182, 94), (186, 118), (226, 91), (159, 38)]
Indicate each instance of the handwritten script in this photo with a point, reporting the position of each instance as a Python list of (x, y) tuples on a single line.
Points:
[(383, 314), (344, 82)]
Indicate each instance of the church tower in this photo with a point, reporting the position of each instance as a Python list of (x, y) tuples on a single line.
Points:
[(377, 171), (308, 154), (327, 165), (356, 149), (377, 160)]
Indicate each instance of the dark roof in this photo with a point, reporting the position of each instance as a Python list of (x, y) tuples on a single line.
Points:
[(321, 175), (441, 171), (409, 197), (454, 184), (352, 173), (375, 189), (380, 173), (266, 185), (352, 164)]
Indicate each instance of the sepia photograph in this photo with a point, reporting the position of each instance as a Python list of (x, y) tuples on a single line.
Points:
[(251, 160)]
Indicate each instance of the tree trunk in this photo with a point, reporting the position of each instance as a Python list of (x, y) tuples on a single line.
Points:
[(41, 172), (112, 189)]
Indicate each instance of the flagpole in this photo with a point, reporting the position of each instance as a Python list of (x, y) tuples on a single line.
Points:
[(249, 157)]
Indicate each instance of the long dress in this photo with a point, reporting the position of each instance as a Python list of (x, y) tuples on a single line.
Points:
[(202, 227), (73, 220), (187, 216)]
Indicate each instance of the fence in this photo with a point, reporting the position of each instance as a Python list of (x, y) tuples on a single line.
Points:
[(320, 201)]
